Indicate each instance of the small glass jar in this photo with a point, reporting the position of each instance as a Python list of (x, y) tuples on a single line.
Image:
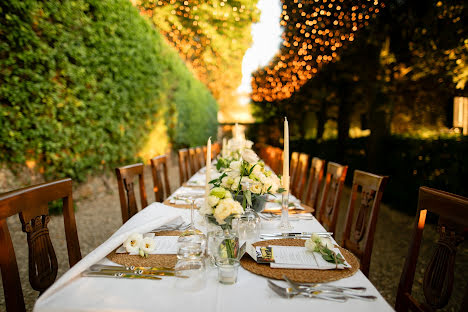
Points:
[(227, 270)]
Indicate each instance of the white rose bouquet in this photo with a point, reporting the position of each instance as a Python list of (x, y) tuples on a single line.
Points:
[(249, 177), (221, 208)]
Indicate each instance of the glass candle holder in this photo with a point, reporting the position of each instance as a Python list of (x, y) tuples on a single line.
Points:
[(227, 270)]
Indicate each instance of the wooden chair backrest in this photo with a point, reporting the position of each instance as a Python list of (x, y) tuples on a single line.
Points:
[(331, 195), (277, 160), (215, 150), (184, 173), (194, 161), (358, 236), (200, 156), (317, 168), (125, 181), (439, 274), (159, 173), (204, 149), (299, 179), (293, 165), (31, 205)]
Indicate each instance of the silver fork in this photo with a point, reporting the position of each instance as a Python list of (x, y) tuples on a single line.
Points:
[(289, 292), (329, 289)]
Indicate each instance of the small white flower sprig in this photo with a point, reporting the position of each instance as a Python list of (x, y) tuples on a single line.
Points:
[(324, 246), (136, 243)]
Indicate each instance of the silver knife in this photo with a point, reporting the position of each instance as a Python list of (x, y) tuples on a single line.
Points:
[(119, 275), (98, 267), (303, 234)]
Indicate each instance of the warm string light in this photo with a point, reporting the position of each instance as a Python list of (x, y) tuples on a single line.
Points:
[(314, 32), (195, 29)]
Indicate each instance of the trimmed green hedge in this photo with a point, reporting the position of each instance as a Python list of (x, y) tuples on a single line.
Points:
[(409, 163), (83, 84)]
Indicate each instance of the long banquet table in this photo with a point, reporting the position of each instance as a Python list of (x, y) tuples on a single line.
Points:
[(73, 292)]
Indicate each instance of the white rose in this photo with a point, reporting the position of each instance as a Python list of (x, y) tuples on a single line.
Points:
[(310, 244), (132, 244), (147, 245), (213, 200), (226, 182), (316, 238), (225, 208), (248, 144), (249, 156), (235, 184), (205, 210), (233, 174), (235, 166), (256, 188)]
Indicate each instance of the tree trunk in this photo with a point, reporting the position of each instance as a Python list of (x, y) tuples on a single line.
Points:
[(321, 120), (380, 129), (344, 122)]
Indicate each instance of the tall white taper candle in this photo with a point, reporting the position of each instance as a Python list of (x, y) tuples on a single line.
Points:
[(286, 156), (208, 169)]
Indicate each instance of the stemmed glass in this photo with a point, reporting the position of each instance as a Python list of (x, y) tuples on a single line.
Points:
[(284, 224), (248, 225), (192, 235)]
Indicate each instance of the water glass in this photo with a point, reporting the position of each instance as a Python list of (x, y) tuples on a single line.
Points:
[(190, 267)]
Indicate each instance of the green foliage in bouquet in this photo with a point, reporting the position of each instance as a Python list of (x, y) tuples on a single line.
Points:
[(83, 83)]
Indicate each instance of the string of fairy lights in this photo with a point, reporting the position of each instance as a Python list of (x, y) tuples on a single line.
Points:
[(201, 31), (314, 32)]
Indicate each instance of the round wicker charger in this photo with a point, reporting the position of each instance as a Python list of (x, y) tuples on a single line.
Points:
[(299, 275), (167, 261)]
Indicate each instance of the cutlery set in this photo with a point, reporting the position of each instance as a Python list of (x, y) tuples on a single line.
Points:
[(100, 270), (320, 291), (294, 235)]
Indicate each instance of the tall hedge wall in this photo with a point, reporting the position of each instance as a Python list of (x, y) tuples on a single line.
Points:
[(84, 83)]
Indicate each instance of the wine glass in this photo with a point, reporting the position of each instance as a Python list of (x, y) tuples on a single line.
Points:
[(192, 234)]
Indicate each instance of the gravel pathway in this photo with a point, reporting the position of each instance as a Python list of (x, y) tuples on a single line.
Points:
[(98, 216)]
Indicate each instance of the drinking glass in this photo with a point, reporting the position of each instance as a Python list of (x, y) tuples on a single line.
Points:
[(190, 267), (192, 234)]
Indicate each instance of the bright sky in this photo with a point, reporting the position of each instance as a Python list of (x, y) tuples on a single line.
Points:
[(266, 35)]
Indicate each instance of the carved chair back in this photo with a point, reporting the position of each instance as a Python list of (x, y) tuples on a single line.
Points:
[(126, 184), (184, 171), (276, 159), (215, 150), (331, 195), (159, 171), (361, 221), (452, 227), (293, 166), (299, 179), (200, 156), (31, 205), (194, 161), (317, 167)]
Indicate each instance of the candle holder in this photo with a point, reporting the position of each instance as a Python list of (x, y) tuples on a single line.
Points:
[(227, 270), (284, 224)]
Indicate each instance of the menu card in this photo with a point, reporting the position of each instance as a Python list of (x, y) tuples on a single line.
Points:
[(292, 257)]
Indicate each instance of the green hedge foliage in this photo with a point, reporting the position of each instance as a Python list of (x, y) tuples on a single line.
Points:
[(409, 163), (84, 82)]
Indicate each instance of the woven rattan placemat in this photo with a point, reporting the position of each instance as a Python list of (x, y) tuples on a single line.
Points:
[(167, 261), (298, 275)]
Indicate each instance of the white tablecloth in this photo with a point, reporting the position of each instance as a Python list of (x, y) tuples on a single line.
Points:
[(251, 293)]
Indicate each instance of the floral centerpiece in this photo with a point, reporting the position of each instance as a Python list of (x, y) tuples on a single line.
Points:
[(220, 209), (233, 152), (249, 180)]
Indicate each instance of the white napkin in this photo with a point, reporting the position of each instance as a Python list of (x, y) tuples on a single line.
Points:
[(148, 219), (164, 245)]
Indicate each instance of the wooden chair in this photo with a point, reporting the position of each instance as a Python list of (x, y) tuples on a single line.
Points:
[(200, 156), (439, 274), (125, 180), (299, 178), (204, 149), (193, 161), (276, 160), (317, 168), (159, 172), (331, 196), (293, 165), (184, 173), (359, 234), (31, 204)]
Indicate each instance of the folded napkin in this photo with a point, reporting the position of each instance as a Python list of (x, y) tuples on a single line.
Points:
[(152, 217), (164, 245)]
